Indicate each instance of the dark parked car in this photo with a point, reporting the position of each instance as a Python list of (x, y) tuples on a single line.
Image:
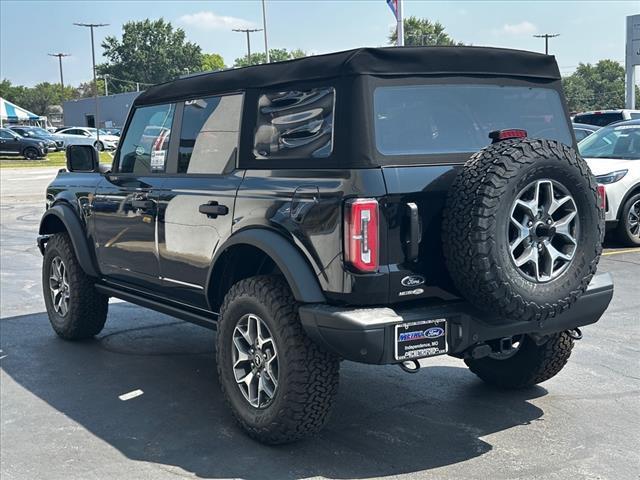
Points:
[(12, 144), (381, 206), (51, 141), (583, 130)]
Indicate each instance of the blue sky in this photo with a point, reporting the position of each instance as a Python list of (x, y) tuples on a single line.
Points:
[(590, 30)]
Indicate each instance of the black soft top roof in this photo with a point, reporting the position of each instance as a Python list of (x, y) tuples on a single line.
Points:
[(389, 61)]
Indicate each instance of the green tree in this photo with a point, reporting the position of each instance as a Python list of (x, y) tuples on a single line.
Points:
[(275, 55), (421, 31), (595, 87), (212, 61), (86, 89), (36, 99), (150, 51)]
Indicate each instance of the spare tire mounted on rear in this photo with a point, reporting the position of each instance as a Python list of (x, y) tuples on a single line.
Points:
[(522, 230)]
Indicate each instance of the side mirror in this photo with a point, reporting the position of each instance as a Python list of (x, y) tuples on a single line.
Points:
[(82, 158)]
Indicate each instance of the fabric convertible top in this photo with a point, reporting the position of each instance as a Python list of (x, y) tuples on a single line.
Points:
[(390, 61)]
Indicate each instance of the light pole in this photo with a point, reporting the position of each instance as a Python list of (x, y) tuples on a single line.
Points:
[(95, 81), (248, 31), (264, 27), (60, 55), (546, 37), (106, 85)]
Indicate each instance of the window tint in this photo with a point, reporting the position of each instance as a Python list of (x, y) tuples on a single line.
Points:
[(146, 143), (432, 119), (295, 124), (5, 134), (209, 136), (599, 119)]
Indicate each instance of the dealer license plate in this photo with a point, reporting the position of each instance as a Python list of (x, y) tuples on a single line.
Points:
[(425, 338)]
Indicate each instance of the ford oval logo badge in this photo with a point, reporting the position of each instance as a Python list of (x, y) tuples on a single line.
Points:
[(412, 280), (434, 332)]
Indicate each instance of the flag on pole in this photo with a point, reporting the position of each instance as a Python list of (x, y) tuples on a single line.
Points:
[(393, 5)]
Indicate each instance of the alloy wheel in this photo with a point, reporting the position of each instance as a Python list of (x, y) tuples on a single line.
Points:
[(543, 230), (255, 361), (633, 219), (59, 286)]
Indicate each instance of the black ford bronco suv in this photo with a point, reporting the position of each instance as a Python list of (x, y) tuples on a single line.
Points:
[(375, 205)]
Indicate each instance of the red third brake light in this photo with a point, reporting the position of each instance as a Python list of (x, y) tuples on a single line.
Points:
[(361, 245), (498, 135)]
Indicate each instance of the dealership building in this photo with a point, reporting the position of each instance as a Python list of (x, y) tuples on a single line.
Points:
[(113, 110)]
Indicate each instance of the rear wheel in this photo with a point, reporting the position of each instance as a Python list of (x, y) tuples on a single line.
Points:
[(30, 153), (99, 146), (629, 224), (279, 385), (76, 310), (528, 365)]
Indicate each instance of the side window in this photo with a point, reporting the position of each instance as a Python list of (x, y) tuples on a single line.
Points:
[(209, 136), (295, 124), (146, 142), (6, 135)]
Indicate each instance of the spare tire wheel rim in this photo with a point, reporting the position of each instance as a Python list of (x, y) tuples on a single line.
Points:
[(255, 361), (543, 230), (59, 286)]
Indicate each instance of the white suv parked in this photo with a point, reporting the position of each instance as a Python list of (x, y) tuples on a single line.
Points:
[(613, 154)]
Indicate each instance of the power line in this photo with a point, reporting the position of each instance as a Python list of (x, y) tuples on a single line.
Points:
[(546, 37)]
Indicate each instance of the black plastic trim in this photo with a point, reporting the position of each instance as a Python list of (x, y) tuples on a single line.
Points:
[(299, 275), (76, 233), (366, 334), (144, 301)]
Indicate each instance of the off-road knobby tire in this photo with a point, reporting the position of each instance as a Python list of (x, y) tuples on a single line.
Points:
[(623, 233), (530, 365), (308, 375), (475, 229), (87, 307)]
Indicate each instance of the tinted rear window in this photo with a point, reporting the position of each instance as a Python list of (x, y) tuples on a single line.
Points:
[(440, 119), (600, 119)]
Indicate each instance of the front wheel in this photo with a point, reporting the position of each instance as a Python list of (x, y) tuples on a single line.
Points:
[(279, 385), (30, 153), (99, 146), (629, 224), (76, 309), (528, 365)]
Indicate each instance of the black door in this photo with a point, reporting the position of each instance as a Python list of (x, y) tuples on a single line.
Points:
[(9, 143), (125, 205), (196, 203)]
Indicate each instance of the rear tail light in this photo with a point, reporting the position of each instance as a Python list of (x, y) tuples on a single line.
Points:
[(602, 197), (498, 135), (361, 234)]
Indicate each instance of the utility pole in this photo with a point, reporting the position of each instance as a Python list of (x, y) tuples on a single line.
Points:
[(60, 55), (95, 80), (248, 31), (106, 84), (400, 27), (264, 27), (546, 37)]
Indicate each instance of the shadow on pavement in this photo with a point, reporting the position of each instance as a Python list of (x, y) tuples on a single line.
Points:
[(386, 422)]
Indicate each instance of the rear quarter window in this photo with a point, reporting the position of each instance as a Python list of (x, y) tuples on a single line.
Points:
[(445, 119), (599, 119)]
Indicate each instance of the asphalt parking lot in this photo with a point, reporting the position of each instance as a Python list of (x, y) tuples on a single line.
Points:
[(62, 415)]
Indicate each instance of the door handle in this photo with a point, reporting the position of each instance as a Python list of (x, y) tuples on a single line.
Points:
[(142, 204), (212, 209)]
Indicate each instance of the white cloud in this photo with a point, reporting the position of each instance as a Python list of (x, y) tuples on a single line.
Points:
[(207, 20), (522, 28)]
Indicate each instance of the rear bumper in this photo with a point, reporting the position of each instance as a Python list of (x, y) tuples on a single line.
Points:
[(367, 335)]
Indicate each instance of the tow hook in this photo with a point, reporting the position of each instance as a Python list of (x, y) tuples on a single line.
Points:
[(575, 334), (410, 366)]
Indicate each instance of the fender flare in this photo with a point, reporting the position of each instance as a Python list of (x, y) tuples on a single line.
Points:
[(626, 197), (76, 233), (296, 270)]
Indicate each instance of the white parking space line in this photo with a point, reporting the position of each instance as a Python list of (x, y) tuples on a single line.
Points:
[(128, 396)]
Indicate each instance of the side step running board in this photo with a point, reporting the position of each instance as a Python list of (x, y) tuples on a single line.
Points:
[(144, 301)]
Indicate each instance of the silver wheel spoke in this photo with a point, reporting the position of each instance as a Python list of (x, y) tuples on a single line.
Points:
[(255, 361), (543, 230), (59, 287)]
